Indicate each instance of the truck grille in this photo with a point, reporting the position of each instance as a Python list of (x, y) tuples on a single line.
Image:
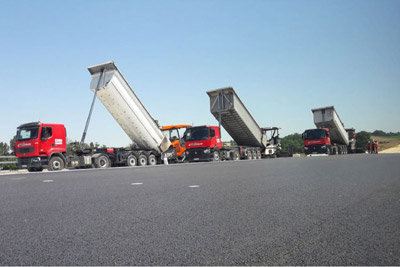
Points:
[(25, 150)]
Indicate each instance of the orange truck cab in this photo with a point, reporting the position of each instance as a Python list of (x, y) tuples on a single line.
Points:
[(41, 145)]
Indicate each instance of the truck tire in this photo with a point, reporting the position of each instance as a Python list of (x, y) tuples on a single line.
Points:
[(235, 155), (131, 161), (254, 154), (259, 154), (142, 160), (216, 156), (102, 162), (152, 160), (249, 155), (56, 163)]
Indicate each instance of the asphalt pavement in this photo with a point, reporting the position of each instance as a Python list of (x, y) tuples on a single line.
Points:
[(336, 210)]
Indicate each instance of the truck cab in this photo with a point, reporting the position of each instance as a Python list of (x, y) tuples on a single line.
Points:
[(40, 145), (316, 141), (203, 143)]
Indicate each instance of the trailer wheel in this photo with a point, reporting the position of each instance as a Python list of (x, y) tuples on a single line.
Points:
[(152, 160), (235, 155), (102, 162), (56, 163), (259, 154), (131, 161), (254, 154), (216, 156), (249, 155), (142, 160)]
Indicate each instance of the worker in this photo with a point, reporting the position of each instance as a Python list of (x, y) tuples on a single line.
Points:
[(376, 146), (369, 146)]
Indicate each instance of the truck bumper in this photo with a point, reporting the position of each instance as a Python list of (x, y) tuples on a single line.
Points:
[(316, 149), (196, 154), (32, 162)]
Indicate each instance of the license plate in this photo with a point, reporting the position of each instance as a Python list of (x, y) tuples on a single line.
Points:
[(196, 159), (24, 166)]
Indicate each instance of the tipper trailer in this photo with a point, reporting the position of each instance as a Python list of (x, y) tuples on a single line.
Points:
[(36, 149), (204, 142), (330, 137)]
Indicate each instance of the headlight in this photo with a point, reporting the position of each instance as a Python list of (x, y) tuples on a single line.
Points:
[(305, 148), (207, 150), (324, 146)]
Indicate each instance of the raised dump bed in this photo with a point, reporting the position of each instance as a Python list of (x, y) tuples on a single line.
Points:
[(327, 117), (118, 97), (235, 118)]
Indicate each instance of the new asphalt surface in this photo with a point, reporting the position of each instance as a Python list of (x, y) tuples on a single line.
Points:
[(336, 210)]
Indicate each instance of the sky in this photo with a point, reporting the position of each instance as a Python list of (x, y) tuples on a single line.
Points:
[(283, 58)]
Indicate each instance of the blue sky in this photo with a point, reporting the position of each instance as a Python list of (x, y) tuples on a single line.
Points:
[(283, 58)]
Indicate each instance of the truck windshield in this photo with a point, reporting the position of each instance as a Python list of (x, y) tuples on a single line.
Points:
[(314, 134), (27, 133), (195, 134)]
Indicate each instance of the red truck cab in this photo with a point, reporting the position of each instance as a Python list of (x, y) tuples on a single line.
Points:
[(316, 141), (40, 145), (202, 143)]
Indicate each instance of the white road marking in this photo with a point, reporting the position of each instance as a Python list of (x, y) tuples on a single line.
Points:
[(194, 186), (136, 183), (48, 181)]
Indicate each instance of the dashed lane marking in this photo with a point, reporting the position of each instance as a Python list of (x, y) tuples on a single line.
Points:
[(48, 181), (194, 186), (136, 183)]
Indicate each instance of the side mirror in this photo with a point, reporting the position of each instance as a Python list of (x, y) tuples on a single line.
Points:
[(303, 136)]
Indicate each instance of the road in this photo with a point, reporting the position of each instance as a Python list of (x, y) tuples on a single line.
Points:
[(336, 210)]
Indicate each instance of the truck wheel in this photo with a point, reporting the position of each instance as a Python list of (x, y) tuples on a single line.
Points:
[(102, 162), (216, 156), (56, 163), (259, 154), (131, 161), (152, 160), (254, 154), (235, 155), (249, 155), (142, 160)]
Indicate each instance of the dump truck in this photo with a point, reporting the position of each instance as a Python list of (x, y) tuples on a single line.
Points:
[(42, 145), (330, 137), (204, 142)]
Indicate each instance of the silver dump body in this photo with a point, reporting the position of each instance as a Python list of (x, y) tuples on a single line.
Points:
[(235, 118), (327, 117), (123, 104)]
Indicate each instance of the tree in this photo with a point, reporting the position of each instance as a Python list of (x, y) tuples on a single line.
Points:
[(12, 142), (379, 133), (4, 149), (362, 139), (293, 143)]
